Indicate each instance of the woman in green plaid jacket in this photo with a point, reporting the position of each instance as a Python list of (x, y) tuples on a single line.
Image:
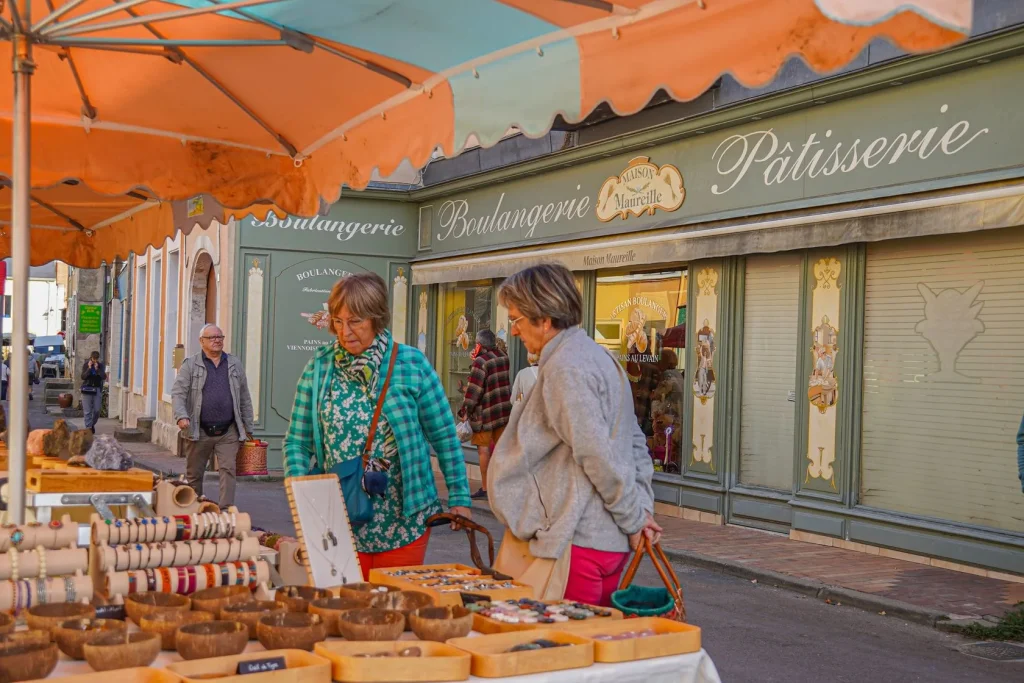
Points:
[(334, 405)]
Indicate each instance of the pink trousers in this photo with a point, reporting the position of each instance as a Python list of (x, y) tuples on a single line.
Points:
[(594, 575)]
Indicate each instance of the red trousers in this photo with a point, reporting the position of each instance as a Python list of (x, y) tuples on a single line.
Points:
[(594, 575), (406, 556)]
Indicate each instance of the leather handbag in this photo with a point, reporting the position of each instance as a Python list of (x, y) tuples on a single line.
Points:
[(354, 473)]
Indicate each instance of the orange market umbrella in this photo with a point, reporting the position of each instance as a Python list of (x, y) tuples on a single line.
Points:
[(289, 100)]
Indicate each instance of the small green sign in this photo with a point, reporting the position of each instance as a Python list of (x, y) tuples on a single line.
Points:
[(89, 319)]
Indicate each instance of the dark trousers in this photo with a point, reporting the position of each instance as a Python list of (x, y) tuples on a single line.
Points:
[(3, 390), (197, 457)]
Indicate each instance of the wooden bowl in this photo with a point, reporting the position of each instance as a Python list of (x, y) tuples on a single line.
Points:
[(441, 623), (27, 661), (297, 598), (124, 650), (331, 609), (35, 637), (6, 623), (291, 631), (71, 636), (405, 602), (371, 624), (140, 605), (249, 613), (212, 600), (166, 625), (211, 639), (50, 616), (357, 591)]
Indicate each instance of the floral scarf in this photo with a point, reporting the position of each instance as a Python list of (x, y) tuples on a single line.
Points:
[(364, 369)]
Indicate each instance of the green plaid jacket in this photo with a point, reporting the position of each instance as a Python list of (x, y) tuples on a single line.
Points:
[(417, 410)]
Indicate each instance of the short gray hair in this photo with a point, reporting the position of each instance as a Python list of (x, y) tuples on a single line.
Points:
[(486, 339), (208, 326), (544, 291)]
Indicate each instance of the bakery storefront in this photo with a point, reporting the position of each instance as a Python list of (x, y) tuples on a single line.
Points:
[(286, 268), (819, 311)]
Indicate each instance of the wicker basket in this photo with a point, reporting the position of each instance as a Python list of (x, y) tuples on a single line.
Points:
[(252, 459)]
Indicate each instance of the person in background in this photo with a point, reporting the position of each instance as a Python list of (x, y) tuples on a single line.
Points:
[(5, 373), (335, 401), (525, 379), (572, 471), (93, 374), (1020, 454), (488, 400), (33, 371), (213, 409)]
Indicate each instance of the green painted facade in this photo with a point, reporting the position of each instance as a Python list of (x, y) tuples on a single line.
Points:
[(929, 123)]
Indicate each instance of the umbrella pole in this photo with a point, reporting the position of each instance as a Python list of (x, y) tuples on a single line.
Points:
[(17, 424)]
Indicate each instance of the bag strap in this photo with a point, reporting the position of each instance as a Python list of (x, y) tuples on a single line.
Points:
[(665, 571), (470, 527), (380, 406)]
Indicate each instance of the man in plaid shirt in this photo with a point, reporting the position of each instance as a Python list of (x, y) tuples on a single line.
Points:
[(488, 402)]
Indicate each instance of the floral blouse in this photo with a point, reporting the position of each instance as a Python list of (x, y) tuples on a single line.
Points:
[(345, 424)]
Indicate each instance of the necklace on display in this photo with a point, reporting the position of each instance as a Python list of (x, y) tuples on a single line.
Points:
[(326, 534)]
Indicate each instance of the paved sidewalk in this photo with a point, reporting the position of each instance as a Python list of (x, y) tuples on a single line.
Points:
[(908, 590)]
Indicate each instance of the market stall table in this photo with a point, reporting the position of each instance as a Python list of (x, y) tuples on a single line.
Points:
[(690, 668)]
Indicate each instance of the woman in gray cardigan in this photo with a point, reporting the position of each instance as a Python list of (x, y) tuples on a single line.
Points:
[(572, 470)]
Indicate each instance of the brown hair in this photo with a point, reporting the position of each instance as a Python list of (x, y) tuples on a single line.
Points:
[(366, 295), (545, 291)]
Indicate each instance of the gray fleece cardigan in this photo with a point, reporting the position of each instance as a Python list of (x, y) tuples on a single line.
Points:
[(572, 465)]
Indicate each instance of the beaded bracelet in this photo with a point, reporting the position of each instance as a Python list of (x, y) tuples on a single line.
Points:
[(41, 552), (13, 553)]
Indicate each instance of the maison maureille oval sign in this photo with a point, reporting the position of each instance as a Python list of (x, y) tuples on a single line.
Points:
[(947, 131), (641, 188)]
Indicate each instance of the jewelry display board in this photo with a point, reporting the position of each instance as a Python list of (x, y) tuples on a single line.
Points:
[(176, 554), (323, 530), (42, 563)]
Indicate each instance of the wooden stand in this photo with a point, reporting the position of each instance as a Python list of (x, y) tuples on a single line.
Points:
[(77, 588), (230, 524), (63, 536), (29, 564)]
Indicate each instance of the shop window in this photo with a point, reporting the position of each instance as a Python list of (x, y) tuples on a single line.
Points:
[(641, 319), (463, 310)]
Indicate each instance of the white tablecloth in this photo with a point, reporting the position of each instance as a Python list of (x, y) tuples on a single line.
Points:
[(692, 668)]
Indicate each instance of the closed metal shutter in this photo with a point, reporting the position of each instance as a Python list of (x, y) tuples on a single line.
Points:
[(944, 378), (771, 312)]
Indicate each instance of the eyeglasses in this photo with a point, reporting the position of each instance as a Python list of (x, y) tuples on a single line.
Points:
[(351, 324), (219, 338), (512, 322)]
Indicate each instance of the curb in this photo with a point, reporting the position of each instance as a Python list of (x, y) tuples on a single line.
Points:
[(809, 587)]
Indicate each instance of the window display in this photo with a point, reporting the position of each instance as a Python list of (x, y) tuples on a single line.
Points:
[(464, 309), (641, 319)]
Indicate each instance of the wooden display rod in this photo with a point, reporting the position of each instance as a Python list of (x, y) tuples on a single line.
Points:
[(168, 554), (188, 580), (88, 481), (196, 526), (56, 534), (22, 594), (29, 564)]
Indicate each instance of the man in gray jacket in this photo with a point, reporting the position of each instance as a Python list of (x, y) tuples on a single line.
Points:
[(214, 412)]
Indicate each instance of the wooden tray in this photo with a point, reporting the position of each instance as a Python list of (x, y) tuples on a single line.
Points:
[(482, 624), (384, 576), (137, 675), (88, 481), (440, 662), (302, 667), (491, 658), (521, 590), (673, 638)]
